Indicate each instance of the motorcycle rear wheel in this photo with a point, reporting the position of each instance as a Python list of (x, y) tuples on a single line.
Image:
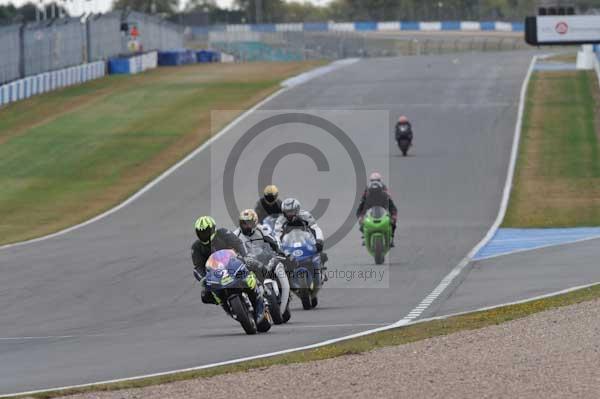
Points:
[(287, 314), (274, 307)]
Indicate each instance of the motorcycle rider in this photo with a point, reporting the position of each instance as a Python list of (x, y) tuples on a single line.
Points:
[(250, 232), (269, 204), (377, 194), (210, 239), (294, 216), (404, 129)]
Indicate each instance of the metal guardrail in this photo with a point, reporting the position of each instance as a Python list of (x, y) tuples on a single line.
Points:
[(34, 48)]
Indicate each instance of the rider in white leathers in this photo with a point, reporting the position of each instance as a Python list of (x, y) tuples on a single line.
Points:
[(294, 216), (252, 233)]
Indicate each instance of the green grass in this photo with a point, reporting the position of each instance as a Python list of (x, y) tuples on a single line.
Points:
[(557, 180), (394, 337), (69, 155)]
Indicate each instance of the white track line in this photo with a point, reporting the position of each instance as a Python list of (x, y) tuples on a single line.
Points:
[(313, 346), (446, 281), (403, 322)]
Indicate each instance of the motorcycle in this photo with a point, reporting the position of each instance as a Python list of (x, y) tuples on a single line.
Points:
[(275, 280), (404, 139), (377, 232), (305, 277), (237, 290)]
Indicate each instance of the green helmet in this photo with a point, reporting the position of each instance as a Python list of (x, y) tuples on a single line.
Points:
[(205, 229)]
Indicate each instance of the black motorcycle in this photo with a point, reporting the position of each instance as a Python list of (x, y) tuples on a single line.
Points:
[(404, 138)]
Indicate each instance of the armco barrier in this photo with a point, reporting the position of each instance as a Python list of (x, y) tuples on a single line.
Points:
[(133, 64), (48, 81), (366, 26), (176, 57)]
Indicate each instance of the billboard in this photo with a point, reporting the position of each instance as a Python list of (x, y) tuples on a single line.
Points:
[(562, 29)]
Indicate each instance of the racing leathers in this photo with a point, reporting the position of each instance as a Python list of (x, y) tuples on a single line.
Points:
[(404, 131), (260, 233), (275, 269), (264, 208), (371, 198), (303, 219)]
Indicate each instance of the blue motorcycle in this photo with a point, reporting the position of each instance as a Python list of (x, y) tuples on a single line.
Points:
[(237, 290), (305, 276)]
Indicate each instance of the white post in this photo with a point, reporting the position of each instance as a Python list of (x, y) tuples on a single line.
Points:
[(585, 57)]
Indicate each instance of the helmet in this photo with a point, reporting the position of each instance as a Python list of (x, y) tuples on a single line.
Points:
[(403, 119), (375, 176), (270, 194), (290, 209), (248, 221), (205, 229)]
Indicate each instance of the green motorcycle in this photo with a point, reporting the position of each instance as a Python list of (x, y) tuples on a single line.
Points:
[(377, 232)]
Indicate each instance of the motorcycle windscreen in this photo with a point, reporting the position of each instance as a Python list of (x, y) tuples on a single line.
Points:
[(299, 243), (377, 212)]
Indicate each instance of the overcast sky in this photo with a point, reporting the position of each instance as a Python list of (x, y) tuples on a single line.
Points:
[(77, 7)]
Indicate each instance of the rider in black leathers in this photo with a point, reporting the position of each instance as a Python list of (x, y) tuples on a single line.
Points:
[(268, 204), (377, 194), (210, 239), (407, 134)]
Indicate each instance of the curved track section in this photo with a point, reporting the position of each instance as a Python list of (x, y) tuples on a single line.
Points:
[(116, 298)]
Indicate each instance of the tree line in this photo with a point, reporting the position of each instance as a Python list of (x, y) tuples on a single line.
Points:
[(278, 11)]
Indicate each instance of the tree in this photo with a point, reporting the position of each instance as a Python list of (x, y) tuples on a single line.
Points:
[(168, 7)]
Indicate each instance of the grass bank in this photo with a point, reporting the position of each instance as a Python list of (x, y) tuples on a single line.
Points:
[(557, 180), (71, 154), (394, 337)]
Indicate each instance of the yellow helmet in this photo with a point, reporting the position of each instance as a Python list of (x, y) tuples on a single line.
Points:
[(271, 192)]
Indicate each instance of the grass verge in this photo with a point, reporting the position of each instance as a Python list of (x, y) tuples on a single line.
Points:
[(69, 155), (398, 336), (557, 180)]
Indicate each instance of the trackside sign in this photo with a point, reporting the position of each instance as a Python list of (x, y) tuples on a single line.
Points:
[(562, 29)]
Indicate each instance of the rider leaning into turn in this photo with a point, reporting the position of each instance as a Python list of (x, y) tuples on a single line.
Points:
[(210, 239), (268, 204), (377, 194)]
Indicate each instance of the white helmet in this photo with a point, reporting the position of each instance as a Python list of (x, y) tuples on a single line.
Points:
[(375, 176), (290, 209)]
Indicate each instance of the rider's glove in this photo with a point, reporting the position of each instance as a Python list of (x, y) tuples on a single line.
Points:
[(319, 245), (252, 263)]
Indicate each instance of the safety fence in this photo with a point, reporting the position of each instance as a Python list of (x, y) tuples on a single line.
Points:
[(389, 26), (49, 81), (291, 46), (34, 48)]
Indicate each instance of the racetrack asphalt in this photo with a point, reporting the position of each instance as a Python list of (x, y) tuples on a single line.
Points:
[(117, 299), (522, 275)]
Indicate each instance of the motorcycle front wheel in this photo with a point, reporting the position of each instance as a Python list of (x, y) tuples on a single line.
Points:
[(238, 308)]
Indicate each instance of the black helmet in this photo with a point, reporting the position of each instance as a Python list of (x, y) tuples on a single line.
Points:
[(205, 229)]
